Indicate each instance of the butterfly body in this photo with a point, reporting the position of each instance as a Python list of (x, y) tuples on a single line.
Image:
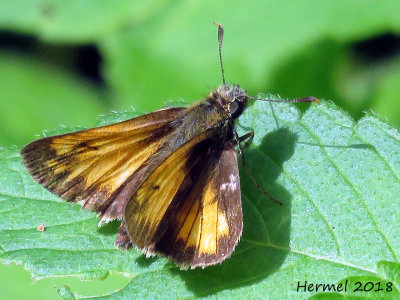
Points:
[(171, 176)]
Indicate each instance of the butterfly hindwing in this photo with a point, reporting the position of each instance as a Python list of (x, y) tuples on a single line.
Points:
[(208, 223), (91, 165), (200, 222)]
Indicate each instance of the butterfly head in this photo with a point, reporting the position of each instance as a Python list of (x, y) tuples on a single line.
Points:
[(233, 98)]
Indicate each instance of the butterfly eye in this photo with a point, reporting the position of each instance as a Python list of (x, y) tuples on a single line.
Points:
[(235, 108)]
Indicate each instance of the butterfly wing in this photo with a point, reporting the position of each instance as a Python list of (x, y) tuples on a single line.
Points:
[(208, 224), (93, 165), (167, 178), (155, 196), (199, 219)]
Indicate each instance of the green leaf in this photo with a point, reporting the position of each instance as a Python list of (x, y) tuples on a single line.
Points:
[(74, 20), (36, 96), (180, 59), (338, 181)]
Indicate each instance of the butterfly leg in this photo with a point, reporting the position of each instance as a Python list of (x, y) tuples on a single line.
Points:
[(238, 140), (248, 137)]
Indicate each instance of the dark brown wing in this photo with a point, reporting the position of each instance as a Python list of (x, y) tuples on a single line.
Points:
[(93, 165), (201, 222)]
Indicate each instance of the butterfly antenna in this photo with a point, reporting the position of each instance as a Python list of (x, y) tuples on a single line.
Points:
[(304, 99), (220, 38)]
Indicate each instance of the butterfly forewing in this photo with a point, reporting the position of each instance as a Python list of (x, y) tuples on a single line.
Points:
[(91, 165)]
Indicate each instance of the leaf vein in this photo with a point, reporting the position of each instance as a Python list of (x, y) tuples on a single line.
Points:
[(351, 186), (307, 195), (317, 257)]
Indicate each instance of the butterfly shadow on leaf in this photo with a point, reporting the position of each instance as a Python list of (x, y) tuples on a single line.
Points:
[(266, 230)]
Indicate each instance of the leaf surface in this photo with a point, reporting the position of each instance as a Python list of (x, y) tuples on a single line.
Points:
[(338, 181)]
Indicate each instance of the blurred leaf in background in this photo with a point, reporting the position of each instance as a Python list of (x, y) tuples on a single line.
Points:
[(32, 92), (65, 62)]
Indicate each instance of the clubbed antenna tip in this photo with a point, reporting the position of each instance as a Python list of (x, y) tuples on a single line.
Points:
[(220, 38)]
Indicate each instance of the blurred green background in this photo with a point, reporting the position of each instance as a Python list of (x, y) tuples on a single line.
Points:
[(62, 63)]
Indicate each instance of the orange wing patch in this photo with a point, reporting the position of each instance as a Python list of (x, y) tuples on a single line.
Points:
[(203, 228), (91, 165), (104, 163)]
